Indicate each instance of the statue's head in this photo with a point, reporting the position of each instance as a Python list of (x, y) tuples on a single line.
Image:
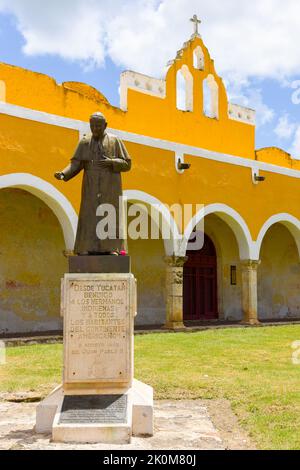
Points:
[(98, 125)]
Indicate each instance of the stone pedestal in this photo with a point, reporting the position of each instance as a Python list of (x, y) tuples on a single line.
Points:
[(249, 292), (174, 292), (141, 415), (99, 400), (99, 311), (99, 264)]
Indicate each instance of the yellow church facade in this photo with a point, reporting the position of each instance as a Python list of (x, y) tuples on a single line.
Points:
[(245, 200)]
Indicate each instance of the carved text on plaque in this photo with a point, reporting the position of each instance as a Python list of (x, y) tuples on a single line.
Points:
[(97, 331)]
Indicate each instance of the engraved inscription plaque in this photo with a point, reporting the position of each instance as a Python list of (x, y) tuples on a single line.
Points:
[(97, 331), (91, 409)]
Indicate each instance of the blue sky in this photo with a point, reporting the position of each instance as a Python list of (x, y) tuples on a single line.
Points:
[(106, 79), (256, 48)]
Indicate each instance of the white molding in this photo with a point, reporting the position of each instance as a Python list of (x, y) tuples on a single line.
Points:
[(2, 91), (57, 202), (289, 221), (235, 222), (83, 127), (172, 244), (242, 114), (177, 244), (141, 83), (44, 118)]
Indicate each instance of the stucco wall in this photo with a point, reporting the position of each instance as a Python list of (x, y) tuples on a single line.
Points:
[(148, 266), (31, 264), (279, 276)]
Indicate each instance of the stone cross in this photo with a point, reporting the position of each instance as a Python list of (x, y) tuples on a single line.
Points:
[(196, 22)]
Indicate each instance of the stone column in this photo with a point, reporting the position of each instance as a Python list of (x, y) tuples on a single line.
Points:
[(174, 292), (249, 291)]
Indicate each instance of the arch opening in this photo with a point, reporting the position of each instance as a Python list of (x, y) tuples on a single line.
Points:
[(198, 58), (31, 265), (232, 219), (54, 199), (210, 97), (279, 274), (148, 266), (210, 291), (184, 89)]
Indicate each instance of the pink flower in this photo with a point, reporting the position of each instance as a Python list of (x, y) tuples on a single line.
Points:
[(123, 253)]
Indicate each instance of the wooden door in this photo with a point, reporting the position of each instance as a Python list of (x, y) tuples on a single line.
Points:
[(200, 283)]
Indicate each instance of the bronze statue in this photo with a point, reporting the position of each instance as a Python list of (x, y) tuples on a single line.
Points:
[(103, 157)]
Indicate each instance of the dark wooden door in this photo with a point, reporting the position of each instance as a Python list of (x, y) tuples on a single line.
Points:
[(200, 283)]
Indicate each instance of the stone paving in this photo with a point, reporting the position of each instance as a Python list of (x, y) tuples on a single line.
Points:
[(179, 425)]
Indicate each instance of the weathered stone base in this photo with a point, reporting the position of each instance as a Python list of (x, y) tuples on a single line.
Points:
[(139, 419), (174, 326), (92, 433), (251, 322)]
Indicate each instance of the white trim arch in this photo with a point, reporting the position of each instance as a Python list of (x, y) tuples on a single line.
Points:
[(198, 58), (54, 199), (233, 219), (172, 244), (289, 221)]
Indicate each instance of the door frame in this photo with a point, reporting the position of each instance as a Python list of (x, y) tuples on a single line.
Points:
[(215, 293)]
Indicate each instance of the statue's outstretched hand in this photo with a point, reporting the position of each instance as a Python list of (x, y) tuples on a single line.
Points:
[(59, 175)]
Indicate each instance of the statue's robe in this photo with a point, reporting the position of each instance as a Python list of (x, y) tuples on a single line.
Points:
[(99, 186)]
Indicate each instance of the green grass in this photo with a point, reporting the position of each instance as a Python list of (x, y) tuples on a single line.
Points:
[(251, 367)]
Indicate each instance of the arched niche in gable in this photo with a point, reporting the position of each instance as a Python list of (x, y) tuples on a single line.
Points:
[(184, 89), (198, 58), (211, 97)]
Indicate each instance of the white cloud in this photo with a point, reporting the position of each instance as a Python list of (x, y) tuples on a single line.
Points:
[(241, 91), (295, 149), (285, 128), (257, 39), (289, 130), (296, 94), (72, 29), (264, 114)]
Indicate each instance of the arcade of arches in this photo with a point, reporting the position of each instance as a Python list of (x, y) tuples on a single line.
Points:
[(217, 285), (248, 269), (211, 284)]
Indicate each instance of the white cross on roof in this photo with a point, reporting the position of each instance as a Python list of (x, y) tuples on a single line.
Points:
[(196, 22)]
